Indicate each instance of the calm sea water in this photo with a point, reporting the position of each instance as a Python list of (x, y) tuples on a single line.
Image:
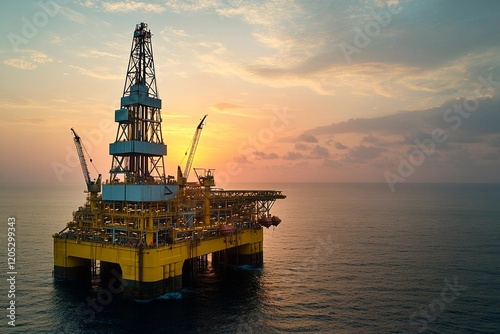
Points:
[(347, 258)]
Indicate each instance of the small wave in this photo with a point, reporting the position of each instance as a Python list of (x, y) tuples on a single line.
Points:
[(166, 296), (247, 267), (171, 295), (244, 267), (143, 300)]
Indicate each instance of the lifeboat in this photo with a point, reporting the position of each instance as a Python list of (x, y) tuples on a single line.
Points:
[(265, 221), (275, 220), (227, 229)]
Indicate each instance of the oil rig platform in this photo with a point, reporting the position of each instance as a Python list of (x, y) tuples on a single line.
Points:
[(151, 229)]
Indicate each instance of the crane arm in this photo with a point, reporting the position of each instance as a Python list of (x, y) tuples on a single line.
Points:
[(83, 163), (194, 144)]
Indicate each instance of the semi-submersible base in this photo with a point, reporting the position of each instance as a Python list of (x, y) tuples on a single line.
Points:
[(154, 247), (150, 272)]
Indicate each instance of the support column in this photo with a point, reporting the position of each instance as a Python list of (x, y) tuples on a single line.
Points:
[(155, 279), (69, 267), (251, 254)]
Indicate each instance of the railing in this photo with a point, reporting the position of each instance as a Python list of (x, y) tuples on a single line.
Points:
[(247, 194)]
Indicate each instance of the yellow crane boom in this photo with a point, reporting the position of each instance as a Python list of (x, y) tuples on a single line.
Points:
[(182, 177), (91, 186)]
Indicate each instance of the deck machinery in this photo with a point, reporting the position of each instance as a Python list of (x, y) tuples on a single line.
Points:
[(147, 227)]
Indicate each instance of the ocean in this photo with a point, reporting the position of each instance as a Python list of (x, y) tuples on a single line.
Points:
[(347, 258)]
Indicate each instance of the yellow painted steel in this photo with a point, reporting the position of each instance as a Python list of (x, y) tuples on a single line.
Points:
[(152, 241), (158, 262)]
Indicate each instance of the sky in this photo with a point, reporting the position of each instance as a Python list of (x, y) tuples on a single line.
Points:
[(388, 91)]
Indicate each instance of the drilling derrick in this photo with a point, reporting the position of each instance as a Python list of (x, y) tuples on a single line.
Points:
[(143, 228), (137, 172)]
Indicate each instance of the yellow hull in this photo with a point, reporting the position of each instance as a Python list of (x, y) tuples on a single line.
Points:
[(151, 271)]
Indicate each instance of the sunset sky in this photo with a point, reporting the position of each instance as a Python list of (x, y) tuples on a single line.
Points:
[(295, 91)]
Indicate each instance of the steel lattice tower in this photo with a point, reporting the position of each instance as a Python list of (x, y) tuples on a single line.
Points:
[(139, 119), (138, 149)]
